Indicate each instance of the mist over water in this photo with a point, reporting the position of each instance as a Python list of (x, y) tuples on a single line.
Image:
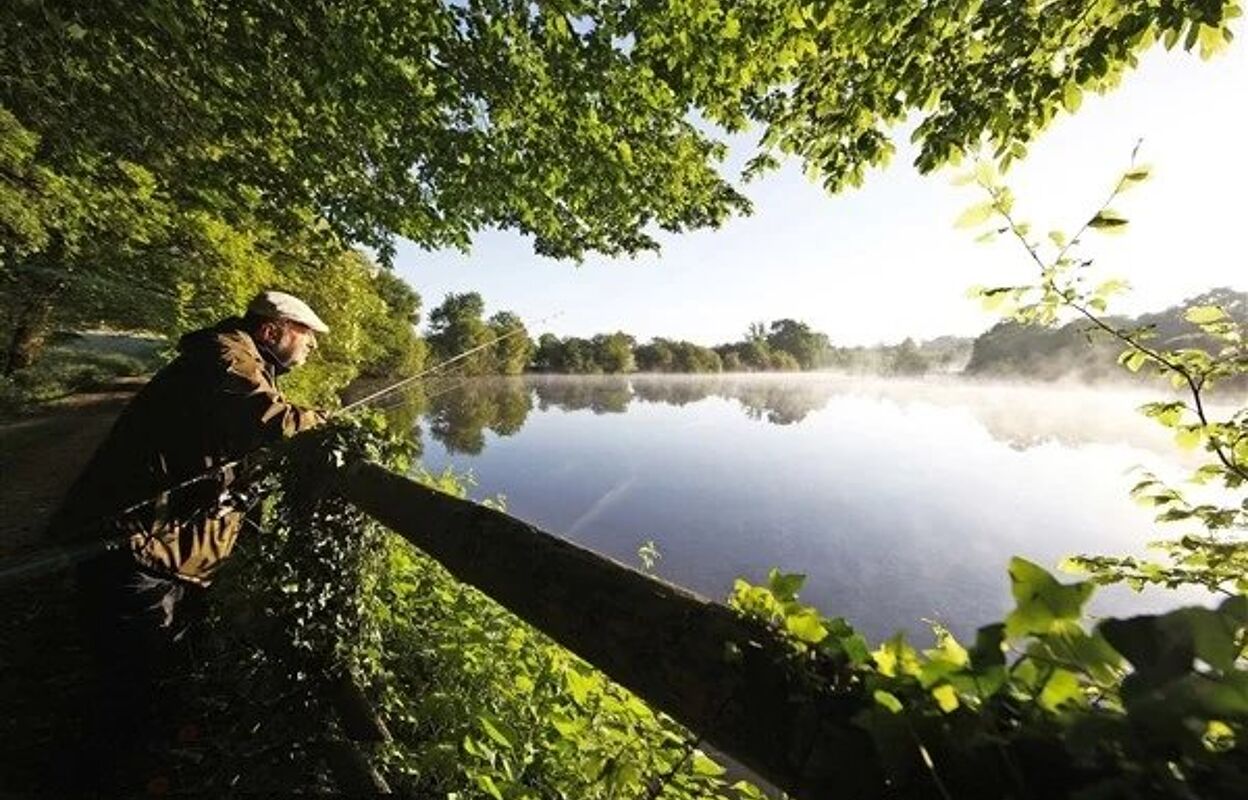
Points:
[(901, 500)]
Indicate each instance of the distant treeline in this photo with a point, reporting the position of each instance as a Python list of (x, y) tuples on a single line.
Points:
[(1074, 350), (459, 325), (781, 346)]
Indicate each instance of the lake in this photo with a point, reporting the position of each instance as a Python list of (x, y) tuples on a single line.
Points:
[(902, 501)]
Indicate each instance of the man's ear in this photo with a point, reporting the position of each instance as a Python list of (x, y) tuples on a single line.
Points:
[(267, 332)]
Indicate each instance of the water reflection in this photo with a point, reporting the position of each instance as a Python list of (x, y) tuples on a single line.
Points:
[(605, 395), (458, 415), (902, 500), (457, 412)]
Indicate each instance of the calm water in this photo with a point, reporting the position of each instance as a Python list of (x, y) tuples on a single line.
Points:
[(902, 501)]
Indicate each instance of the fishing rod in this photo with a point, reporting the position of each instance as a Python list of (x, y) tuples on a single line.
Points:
[(400, 384), (53, 559)]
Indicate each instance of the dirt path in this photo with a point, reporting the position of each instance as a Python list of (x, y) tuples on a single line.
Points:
[(40, 457), (42, 663)]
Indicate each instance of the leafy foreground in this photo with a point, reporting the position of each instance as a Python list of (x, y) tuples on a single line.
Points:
[(482, 705)]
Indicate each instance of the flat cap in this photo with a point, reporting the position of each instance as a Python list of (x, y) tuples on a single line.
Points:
[(279, 305)]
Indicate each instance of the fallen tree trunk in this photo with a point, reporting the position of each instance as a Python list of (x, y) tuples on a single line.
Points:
[(716, 673)]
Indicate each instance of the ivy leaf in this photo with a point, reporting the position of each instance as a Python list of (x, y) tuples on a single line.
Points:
[(1061, 688), (785, 586), (1212, 633), (1043, 604), (702, 765), (805, 626), (989, 649), (888, 700), (946, 697), (855, 647), (895, 657), (1156, 654)]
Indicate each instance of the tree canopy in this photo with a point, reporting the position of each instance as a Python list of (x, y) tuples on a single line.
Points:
[(159, 159), (567, 121)]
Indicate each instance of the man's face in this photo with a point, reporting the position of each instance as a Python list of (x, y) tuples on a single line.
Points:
[(292, 342)]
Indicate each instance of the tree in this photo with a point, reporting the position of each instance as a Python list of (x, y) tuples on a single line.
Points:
[(907, 360), (393, 332), (514, 348), (548, 357), (351, 122), (424, 119), (455, 328), (656, 356), (613, 352), (828, 81), (797, 339)]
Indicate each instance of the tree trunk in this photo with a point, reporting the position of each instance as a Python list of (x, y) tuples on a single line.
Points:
[(30, 331)]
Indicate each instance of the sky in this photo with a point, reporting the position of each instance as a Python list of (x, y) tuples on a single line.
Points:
[(880, 263)]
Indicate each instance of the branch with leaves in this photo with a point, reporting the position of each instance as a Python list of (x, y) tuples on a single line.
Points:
[(1211, 557)]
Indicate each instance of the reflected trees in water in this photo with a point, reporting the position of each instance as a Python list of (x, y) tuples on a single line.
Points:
[(456, 411)]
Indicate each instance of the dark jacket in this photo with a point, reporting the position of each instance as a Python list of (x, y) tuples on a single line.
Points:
[(213, 404)]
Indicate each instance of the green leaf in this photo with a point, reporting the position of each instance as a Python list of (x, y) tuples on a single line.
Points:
[(567, 728), (855, 647), (1061, 688), (1110, 287), (579, 686), (1188, 437), (1136, 175), (975, 215), (1212, 633), (492, 730), (785, 586), (888, 700), (989, 649), (1108, 221), (895, 657), (487, 785), (1043, 605), (1157, 655), (805, 626), (1072, 97), (946, 698), (702, 765), (1204, 315)]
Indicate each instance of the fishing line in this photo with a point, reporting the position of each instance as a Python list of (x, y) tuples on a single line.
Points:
[(399, 384)]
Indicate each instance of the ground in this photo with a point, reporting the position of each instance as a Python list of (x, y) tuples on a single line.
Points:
[(44, 668), (42, 454), (42, 664)]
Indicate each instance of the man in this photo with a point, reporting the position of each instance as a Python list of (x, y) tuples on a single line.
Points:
[(172, 450)]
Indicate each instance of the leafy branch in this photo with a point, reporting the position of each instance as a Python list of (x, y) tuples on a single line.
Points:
[(1062, 286)]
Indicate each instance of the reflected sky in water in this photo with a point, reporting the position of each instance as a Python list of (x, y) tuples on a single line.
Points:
[(902, 501)]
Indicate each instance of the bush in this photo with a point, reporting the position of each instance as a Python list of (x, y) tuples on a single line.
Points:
[(64, 371)]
